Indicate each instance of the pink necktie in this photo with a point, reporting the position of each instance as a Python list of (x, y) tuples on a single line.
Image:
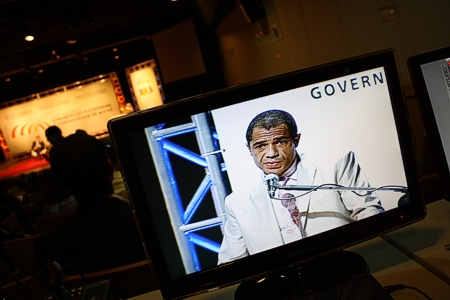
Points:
[(289, 202)]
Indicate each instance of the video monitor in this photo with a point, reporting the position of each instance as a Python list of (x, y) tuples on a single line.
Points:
[(267, 176), (430, 75)]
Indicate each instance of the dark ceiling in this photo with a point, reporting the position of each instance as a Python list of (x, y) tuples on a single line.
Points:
[(93, 24)]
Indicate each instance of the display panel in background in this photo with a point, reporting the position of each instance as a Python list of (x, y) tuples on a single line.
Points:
[(87, 105), (437, 80), (430, 74)]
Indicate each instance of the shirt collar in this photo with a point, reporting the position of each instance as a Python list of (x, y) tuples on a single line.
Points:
[(291, 170)]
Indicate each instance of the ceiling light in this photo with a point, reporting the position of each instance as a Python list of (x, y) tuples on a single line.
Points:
[(29, 38), (71, 41)]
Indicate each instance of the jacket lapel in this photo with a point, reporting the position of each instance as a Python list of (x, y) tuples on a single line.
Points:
[(262, 203)]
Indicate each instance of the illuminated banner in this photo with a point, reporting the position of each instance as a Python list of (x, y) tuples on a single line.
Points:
[(145, 87), (87, 107)]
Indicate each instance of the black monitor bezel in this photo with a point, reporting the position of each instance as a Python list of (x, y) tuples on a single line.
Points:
[(414, 64), (288, 255)]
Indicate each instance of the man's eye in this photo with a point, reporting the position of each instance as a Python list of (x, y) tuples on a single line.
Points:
[(283, 142), (260, 146)]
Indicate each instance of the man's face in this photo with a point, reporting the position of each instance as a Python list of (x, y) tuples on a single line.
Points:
[(273, 150), (50, 139)]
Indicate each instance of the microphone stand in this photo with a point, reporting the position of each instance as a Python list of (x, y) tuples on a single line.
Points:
[(401, 189), (273, 186)]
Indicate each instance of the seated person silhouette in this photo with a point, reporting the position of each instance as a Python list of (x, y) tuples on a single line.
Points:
[(102, 233), (54, 136), (38, 148)]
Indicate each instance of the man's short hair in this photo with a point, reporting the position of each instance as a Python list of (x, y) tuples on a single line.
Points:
[(80, 163), (53, 131), (270, 119)]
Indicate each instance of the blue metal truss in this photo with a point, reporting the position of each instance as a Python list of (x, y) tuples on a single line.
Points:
[(186, 233)]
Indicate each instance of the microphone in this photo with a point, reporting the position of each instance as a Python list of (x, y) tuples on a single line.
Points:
[(272, 184)]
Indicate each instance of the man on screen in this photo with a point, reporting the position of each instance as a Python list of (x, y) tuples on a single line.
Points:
[(256, 222)]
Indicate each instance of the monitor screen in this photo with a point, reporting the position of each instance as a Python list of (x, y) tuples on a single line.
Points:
[(265, 176), (430, 74)]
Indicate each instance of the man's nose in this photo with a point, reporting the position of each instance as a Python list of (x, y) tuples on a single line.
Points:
[(272, 151)]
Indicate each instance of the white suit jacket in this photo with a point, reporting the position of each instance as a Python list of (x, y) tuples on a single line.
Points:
[(251, 225)]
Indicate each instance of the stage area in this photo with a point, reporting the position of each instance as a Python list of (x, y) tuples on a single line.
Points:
[(23, 165)]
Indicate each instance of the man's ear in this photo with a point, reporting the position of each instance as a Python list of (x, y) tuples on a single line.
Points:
[(249, 149), (297, 139)]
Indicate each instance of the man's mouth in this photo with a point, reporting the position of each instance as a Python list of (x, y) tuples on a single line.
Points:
[(272, 164)]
